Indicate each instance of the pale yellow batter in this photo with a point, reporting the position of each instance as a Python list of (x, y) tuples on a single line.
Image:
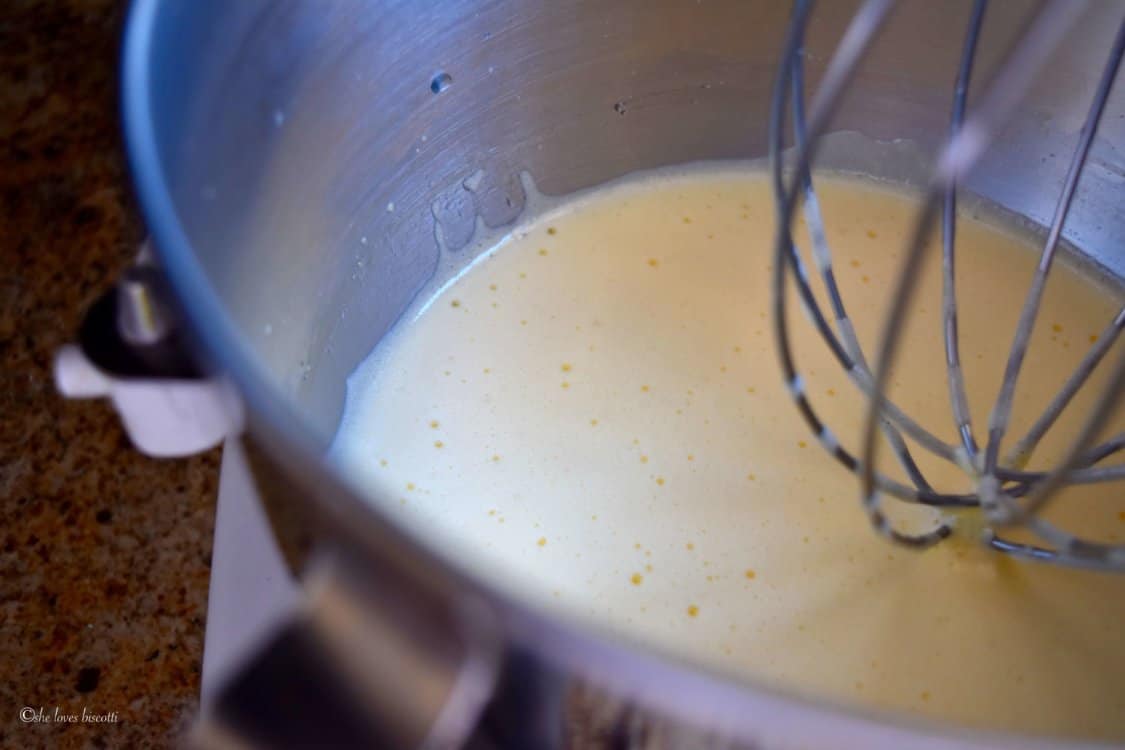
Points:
[(593, 413)]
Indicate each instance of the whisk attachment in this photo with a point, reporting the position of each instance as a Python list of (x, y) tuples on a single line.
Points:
[(1007, 494)]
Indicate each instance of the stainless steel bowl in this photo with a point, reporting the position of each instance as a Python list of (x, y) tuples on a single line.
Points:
[(294, 160)]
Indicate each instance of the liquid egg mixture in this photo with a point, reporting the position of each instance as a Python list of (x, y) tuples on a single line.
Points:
[(592, 413)]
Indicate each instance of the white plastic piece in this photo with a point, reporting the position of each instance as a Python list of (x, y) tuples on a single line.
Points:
[(163, 418), (252, 591), (76, 377)]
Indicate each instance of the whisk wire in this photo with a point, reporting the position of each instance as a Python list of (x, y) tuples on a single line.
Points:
[(955, 375), (823, 258), (1025, 446)]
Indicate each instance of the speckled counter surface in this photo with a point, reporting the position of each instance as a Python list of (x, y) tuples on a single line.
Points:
[(104, 554)]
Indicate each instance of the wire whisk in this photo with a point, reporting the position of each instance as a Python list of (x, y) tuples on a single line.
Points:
[(1008, 495)]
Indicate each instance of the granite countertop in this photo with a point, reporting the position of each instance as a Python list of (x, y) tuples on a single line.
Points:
[(105, 554)]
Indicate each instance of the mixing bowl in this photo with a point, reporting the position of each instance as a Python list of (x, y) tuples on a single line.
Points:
[(300, 166)]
